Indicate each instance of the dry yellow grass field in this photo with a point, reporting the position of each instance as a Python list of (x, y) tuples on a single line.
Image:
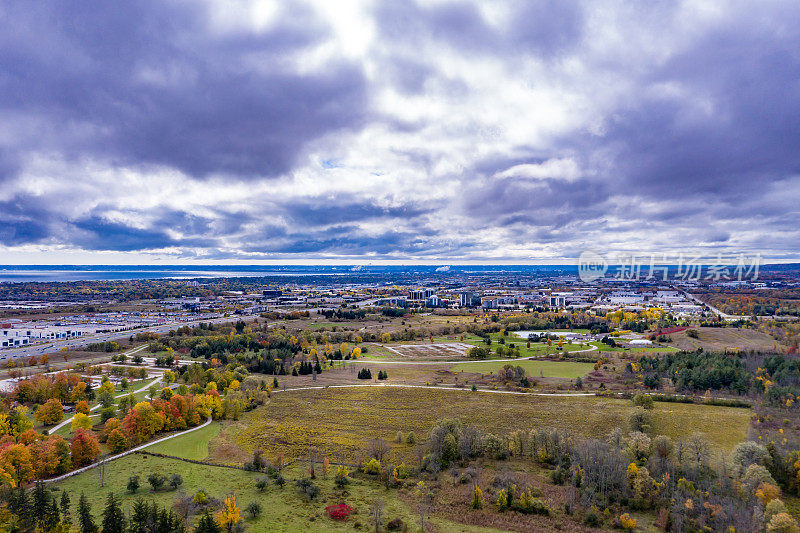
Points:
[(339, 422)]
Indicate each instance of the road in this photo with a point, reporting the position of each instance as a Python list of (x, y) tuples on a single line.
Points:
[(71, 344), (207, 422), (68, 420), (723, 316)]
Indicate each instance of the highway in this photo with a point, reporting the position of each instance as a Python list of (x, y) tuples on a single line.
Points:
[(76, 343)]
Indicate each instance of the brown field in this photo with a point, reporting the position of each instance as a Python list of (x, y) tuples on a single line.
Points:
[(721, 339), (441, 350)]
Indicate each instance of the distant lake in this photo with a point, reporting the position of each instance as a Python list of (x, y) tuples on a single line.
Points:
[(49, 273), (133, 273)]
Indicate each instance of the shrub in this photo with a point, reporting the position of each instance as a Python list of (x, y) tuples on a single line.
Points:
[(340, 479), (339, 512), (626, 522), (133, 484), (394, 524), (373, 466), (782, 523), (262, 484), (410, 438), (156, 481), (253, 509), (175, 481), (754, 475), (476, 352), (773, 508), (308, 488), (644, 401), (749, 453), (401, 471), (528, 503), (640, 420), (477, 497)]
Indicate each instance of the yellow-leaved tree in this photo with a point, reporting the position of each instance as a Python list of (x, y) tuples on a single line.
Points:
[(229, 516)]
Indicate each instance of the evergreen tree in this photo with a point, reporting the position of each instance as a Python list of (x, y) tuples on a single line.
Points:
[(139, 517), (207, 524), (41, 499), (22, 506), (85, 518), (65, 512), (52, 516), (113, 517)]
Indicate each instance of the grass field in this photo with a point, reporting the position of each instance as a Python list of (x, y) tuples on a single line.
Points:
[(547, 369), (720, 339), (191, 446), (340, 422), (284, 510)]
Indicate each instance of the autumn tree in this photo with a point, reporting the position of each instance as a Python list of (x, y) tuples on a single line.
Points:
[(80, 421), (17, 461), (52, 412), (116, 441), (84, 448), (229, 516)]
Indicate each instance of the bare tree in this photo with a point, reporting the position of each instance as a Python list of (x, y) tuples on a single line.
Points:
[(378, 448), (377, 513)]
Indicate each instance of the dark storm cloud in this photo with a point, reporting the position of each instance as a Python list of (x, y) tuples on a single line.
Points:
[(98, 234), (322, 211), (23, 220), (719, 119), (349, 240), (542, 27), (145, 82), (698, 139)]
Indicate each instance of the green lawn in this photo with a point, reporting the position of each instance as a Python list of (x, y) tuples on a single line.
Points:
[(284, 510), (547, 369), (193, 445)]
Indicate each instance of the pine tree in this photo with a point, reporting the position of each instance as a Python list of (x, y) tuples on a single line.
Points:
[(113, 517), (65, 512), (22, 506), (52, 516), (139, 517), (207, 524), (85, 518), (41, 499)]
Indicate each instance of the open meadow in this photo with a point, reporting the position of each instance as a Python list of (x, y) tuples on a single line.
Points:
[(283, 509), (339, 422)]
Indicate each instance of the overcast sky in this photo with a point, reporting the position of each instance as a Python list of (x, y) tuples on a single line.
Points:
[(169, 131)]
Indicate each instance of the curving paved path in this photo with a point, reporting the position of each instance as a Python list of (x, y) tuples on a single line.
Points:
[(123, 454), (68, 420), (321, 387)]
